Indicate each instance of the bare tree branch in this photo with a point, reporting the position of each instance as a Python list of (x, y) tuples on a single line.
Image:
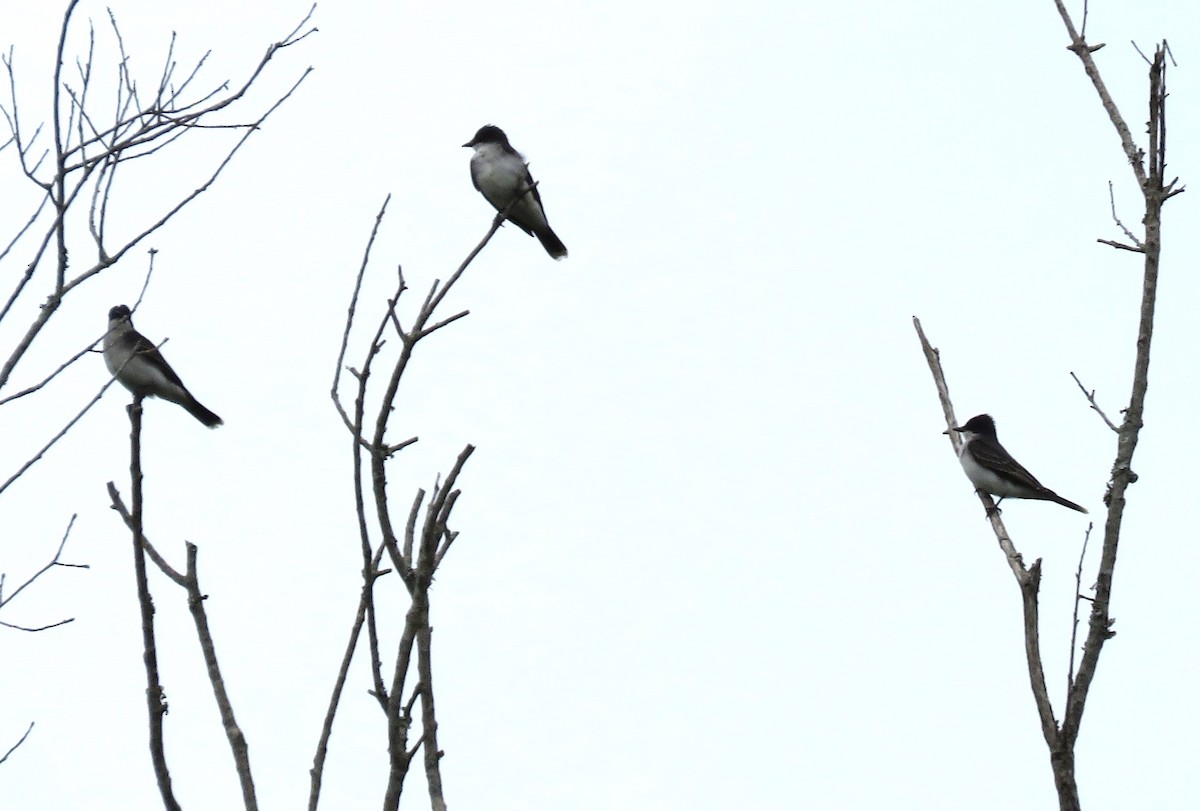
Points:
[(237, 739), (1153, 189), (156, 704), (119, 506), (42, 452), (1028, 580), (365, 600), (1075, 612), (341, 359), (87, 349), (13, 748), (1081, 49), (417, 575), (1091, 398), (1121, 246), (1112, 204), (1061, 740), (191, 583), (62, 367), (55, 561), (136, 132)]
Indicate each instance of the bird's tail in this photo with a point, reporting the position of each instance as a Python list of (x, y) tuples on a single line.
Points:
[(1057, 499), (551, 242), (201, 413)]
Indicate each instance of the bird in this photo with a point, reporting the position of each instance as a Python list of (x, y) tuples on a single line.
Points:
[(993, 470), (501, 174), (141, 368)]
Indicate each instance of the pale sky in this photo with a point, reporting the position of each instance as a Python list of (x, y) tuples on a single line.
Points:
[(715, 552)]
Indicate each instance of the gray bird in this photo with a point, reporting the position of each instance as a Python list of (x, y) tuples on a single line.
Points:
[(141, 368), (500, 174), (993, 470)]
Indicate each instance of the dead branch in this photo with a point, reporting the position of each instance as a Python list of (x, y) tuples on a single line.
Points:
[(191, 583), (1091, 398), (84, 159), (1075, 611), (55, 561), (1061, 740), (156, 705), (233, 732), (1155, 193), (417, 575), (1028, 578), (13, 748)]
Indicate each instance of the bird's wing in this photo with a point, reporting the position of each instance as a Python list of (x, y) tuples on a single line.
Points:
[(537, 197), (149, 351), (991, 454)]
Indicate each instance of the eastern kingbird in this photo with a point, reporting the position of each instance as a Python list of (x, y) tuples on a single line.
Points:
[(501, 174), (993, 470), (140, 367)]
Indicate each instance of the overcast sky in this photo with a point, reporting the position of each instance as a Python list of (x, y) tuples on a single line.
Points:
[(715, 552)]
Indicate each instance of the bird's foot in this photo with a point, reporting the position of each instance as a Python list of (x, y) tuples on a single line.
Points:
[(993, 509)]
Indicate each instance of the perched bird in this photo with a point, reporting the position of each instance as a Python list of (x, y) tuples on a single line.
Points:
[(993, 470), (140, 367), (501, 174)]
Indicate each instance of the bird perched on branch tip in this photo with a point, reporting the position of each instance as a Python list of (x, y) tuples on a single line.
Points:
[(141, 368), (501, 175)]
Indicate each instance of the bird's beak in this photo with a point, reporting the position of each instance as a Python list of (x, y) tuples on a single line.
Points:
[(948, 430), (469, 143)]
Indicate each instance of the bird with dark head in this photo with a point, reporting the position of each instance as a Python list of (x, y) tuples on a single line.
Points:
[(993, 470), (501, 175), (141, 368)]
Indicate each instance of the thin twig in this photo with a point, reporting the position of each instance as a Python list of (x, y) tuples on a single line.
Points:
[(54, 561), (1091, 398), (42, 452), (13, 626), (350, 311), (119, 506), (1112, 204), (1120, 245), (1075, 613), (65, 365), (410, 534), (13, 748)]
